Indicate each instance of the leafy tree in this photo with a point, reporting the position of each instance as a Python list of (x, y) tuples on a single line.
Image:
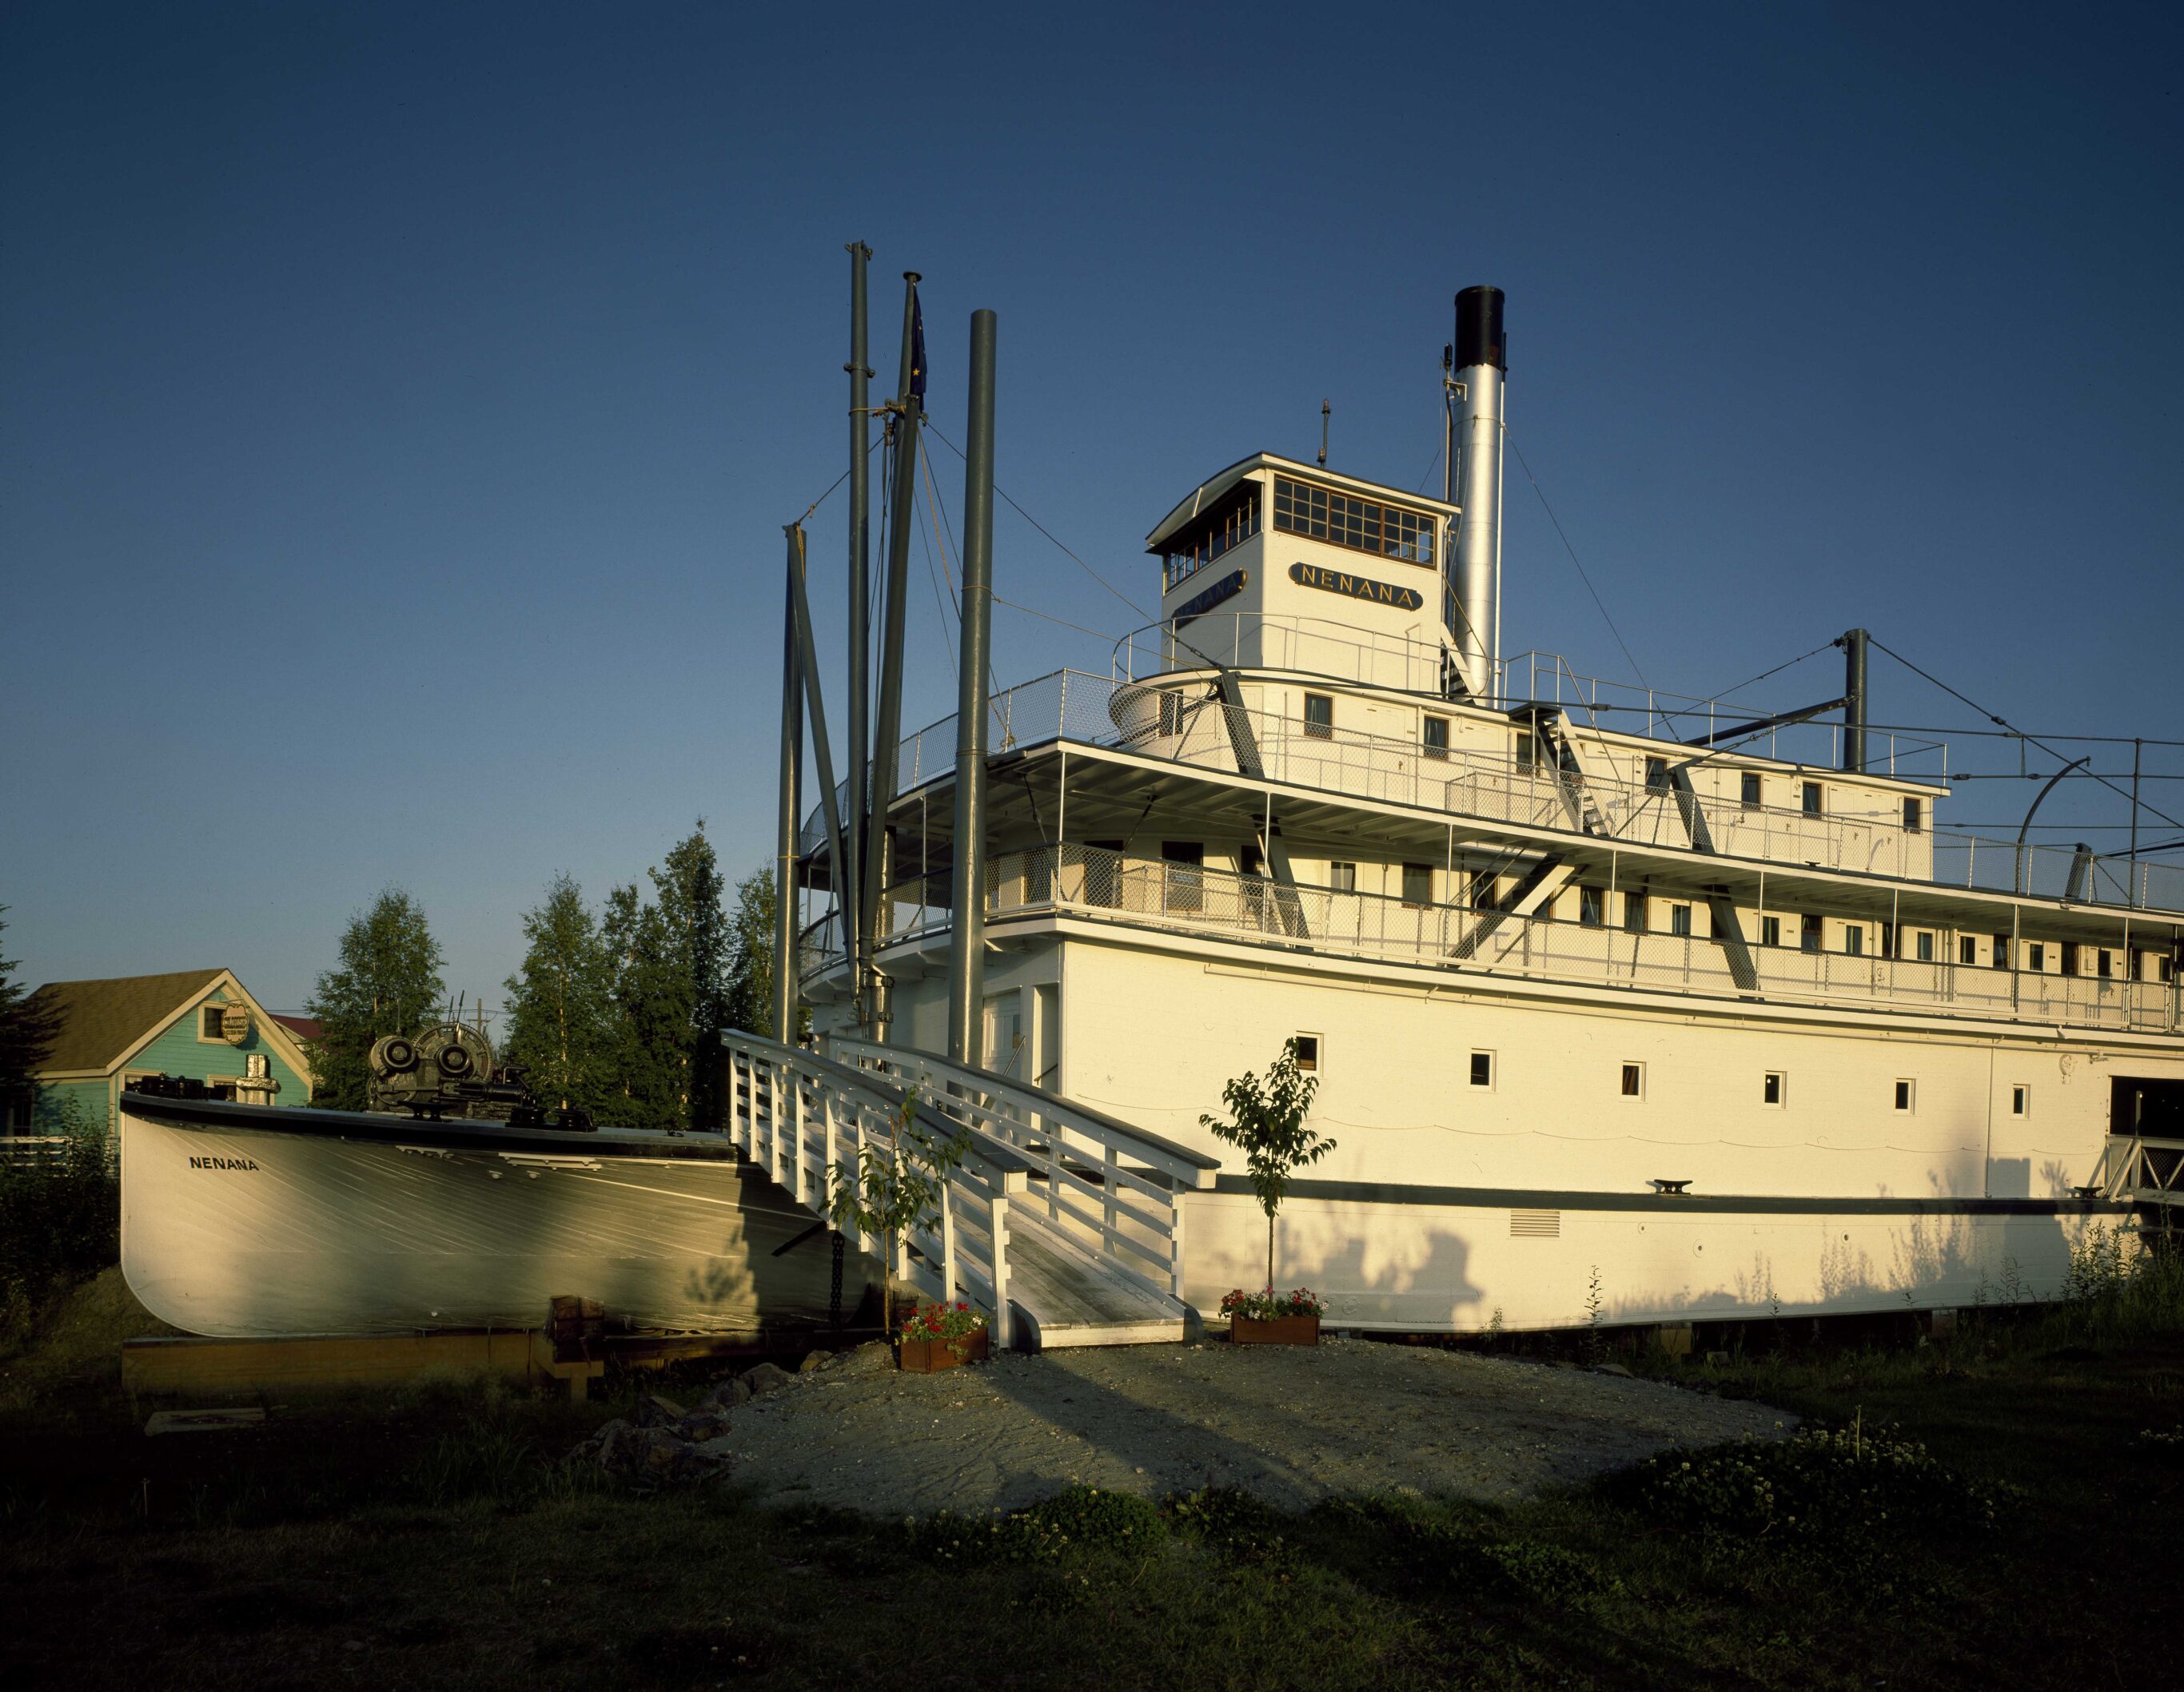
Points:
[(560, 1005), (667, 965), (690, 888), (387, 982), (29, 1025), (751, 955), (1267, 1124)]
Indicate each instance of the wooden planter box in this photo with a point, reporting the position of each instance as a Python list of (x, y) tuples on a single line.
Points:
[(1280, 1330), (927, 1357)]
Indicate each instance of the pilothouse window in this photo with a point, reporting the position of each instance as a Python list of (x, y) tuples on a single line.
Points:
[(1232, 522), (1321, 514)]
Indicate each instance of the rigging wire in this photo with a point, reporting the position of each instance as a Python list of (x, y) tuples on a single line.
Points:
[(1582, 577), (2029, 740)]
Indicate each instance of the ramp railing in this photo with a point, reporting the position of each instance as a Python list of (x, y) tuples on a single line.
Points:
[(1115, 1189), (804, 1119)]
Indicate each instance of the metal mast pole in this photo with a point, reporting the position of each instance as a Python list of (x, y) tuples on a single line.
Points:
[(1854, 754), (910, 397), (847, 882), (792, 770), (966, 946)]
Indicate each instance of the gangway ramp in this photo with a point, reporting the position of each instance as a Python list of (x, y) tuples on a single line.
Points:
[(1063, 1223)]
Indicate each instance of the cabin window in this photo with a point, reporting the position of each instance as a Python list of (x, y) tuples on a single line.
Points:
[(1634, 1081), (1812, 799), (1750, 790), (1773, 1088), (1966, 949), (1528, 750), (2036, 957), (2002, 951), (1589, 903), (1418, 884), (1657, 775), (1907, 1092), (2104, 963), (1236, 520), (1171, 713), (2069, 958), (1634, 912), (1680, 921), (1482, 889), (1853, 939), (1890, 941), (1914, 816), (1183, 863), (1346, 521), (1307, 1052), (1926, 947), (2168, 968), (1482, 1069), (1103, 871), (1319, 715), (1342, 877), (1770, 931), (2021, 1101), (208, 1017), (1808, 933), (1436, 736)]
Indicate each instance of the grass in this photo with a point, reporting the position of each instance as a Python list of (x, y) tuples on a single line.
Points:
[(1977, 1512)]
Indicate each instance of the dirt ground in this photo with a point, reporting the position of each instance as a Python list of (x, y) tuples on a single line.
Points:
[(1292, 1425)]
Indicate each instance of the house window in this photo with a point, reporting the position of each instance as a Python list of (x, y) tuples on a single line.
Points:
[(1342, 877), (1906, 1093), (1319, 715), (2036, 957), (1307, 1052), (1914, 814), (1812, 799), (1323, 514), (1634, 1081), (1680, 921), (1185, 874), (1634, 912), (1773, 1088), (1751, 785), (2002, 951), (1770, 931), (1589, 903), (1808, 933), (1436, 736), (208, 1017), (1926, 947), (1853, 939), (1418, 884), (1966, 949), (1482, 1069), (1657, 775), (2021, 1101)]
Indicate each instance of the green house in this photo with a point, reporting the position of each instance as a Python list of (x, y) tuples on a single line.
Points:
[(201, 1023)]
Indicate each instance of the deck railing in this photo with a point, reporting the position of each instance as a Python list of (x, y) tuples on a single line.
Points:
[(1183, 726), (1115, 1187), (1085, 881)]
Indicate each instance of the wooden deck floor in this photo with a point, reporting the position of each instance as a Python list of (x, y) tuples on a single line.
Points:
[(1066, 1297)]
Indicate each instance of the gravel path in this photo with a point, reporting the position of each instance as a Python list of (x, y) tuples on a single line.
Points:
[(1291, 1425)]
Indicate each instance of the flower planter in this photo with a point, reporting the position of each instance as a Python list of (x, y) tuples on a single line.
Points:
[(1274, 1330), (928, 1356)]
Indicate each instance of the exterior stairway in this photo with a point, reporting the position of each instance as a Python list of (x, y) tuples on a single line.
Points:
[(1061, 1223)]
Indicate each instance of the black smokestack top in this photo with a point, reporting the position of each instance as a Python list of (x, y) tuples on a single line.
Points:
[(1478, 336)]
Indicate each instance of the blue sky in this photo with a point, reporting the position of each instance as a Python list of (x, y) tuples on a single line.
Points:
[(401, 403)]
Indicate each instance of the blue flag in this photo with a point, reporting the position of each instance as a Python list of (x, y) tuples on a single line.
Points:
[(916, 350)]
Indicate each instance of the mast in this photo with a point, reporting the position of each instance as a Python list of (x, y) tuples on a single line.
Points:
[(966, 944), (845, 876), (1853, 748), (792, 769), (908, 407)]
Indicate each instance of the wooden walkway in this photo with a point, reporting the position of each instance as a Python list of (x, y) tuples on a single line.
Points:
[(1064, 1295)]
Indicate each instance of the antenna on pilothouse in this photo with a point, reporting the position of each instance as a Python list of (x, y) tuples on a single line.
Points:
[(1324, 415)]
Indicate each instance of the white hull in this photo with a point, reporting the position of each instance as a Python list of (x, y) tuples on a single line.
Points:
[(239, 1222)]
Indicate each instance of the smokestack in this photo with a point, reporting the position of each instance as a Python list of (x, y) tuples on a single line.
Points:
[(1474, 565)]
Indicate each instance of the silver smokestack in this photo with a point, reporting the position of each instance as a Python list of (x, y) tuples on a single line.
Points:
[(1474, 564)]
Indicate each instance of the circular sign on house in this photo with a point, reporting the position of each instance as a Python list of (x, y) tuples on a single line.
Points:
[(235, 1024)]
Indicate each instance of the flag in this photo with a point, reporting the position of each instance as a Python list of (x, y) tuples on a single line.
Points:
[(916, 350)]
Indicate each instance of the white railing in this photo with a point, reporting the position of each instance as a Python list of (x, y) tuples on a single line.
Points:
[(1086, 880), (801, 1118), (2149, 1170), (1115, 1189), (24, 1149), (1183, 726)]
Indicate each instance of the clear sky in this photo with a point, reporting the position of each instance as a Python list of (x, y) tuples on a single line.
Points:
[(400, 405)]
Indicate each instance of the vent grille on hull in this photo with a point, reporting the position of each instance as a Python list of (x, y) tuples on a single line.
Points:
[(1536, 1224)]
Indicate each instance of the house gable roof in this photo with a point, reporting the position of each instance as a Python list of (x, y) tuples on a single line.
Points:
[(103, 1021)]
